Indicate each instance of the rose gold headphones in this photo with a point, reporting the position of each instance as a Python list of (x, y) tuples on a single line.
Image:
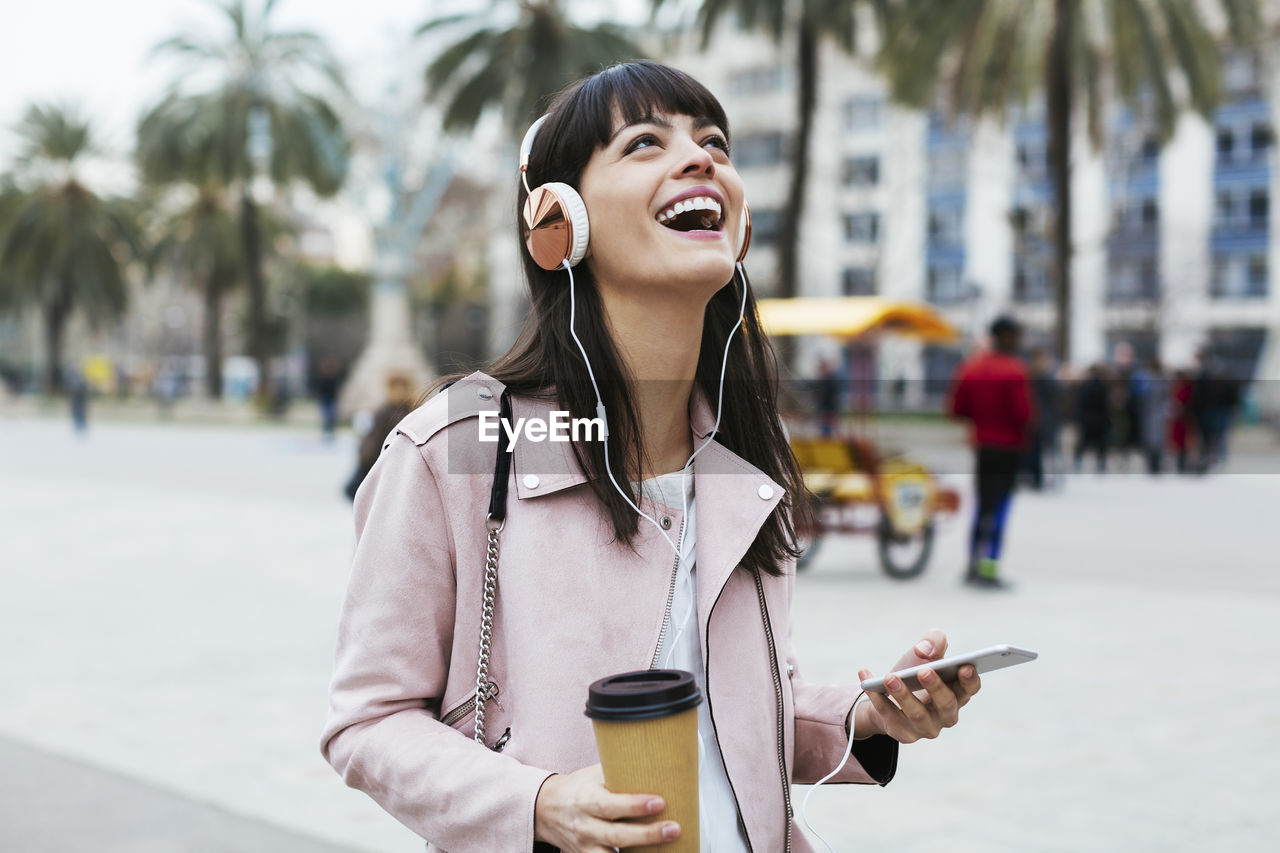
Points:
[(556, 226)]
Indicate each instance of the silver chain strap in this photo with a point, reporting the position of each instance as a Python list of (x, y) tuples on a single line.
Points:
[(486, 625)]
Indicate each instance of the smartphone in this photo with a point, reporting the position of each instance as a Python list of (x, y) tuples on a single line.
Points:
[(948, 669)]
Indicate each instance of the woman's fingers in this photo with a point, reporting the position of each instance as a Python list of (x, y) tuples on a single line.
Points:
[(968, 685), (611, 806), (578, 814), (626, 835), (942, 701), (918, 716)]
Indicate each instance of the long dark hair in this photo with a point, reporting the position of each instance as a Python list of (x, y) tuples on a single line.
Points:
[(544, 359)]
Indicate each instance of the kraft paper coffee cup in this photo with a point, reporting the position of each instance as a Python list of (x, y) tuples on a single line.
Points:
[(646, 726)]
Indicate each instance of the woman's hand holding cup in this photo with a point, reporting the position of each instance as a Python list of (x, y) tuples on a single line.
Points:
[(578, 814)]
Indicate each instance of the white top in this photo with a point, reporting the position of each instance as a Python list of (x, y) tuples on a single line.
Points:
[(682, 649)]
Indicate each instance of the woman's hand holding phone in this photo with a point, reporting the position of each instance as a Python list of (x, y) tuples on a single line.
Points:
[(906, 716)]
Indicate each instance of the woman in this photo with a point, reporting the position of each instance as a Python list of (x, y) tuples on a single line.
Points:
[(639, 333)]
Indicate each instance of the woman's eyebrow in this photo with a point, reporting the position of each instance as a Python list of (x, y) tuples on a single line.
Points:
[(698, 124)]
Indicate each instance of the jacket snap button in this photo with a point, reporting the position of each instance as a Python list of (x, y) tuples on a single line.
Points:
[(531, 481), (665, 521), (765, 493), (484, 393)]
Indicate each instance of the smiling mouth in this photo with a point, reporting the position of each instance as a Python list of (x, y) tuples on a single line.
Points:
[(700, 213)]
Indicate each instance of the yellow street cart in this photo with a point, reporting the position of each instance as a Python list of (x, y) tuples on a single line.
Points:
[(860, 488)]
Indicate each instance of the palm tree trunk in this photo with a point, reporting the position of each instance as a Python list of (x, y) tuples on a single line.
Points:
[(213, 336), (251, 240), (789, 238), (55, 322), (1059, 95)]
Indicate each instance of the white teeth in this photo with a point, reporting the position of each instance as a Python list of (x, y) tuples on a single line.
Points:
[(698, 203)]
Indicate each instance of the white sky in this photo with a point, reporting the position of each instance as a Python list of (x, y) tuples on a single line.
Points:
[(95, 53)]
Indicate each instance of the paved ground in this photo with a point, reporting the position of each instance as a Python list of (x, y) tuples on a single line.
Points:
[(168, 613)]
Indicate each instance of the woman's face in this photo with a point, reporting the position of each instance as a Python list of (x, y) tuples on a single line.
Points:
[(664, 204)]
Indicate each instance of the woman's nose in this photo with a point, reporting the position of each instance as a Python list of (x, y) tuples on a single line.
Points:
[(697, 160)]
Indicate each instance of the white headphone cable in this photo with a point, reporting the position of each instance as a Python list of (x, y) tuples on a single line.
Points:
[(604, 419), (848, 750)]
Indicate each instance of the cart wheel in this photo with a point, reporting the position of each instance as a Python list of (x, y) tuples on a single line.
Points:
[(808, 543), (904, 557)]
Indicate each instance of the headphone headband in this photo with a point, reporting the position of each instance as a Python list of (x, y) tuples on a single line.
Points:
[(526, 144)]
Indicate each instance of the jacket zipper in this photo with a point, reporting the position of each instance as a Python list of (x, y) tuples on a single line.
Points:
[(671, 594), (777, 688), (469, 706), (711, 712)]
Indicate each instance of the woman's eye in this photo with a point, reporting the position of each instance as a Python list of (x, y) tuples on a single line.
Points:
[(643, 141), (717, 142)]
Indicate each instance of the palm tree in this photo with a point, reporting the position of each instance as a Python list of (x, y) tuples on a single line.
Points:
[(516, 67), (269, 114), (62, 246), (994, 54), (201, 240), (809, 22)]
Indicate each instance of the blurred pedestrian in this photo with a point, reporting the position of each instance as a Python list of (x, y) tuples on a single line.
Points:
[(826, 397), (1156, 407), (1045, 438), (78, 397), (328, 382), (992, 391), (1182, 432), (1214, 398), (1093, 417), (398, 403), (1126, 391)]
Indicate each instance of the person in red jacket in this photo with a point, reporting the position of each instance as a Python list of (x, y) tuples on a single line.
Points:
[(992, 391)]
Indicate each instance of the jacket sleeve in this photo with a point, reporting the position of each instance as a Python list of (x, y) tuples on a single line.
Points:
[(383, 733), (820, 735)]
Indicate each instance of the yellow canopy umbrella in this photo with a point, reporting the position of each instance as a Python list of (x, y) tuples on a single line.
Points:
[(849, 317)]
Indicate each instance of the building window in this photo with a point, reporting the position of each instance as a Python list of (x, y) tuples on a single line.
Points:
[(1226, 143), (1240, 276), (1260, 139), (1259, 209), (1131, 281), (759, 149), (1225, 209), (1032, 158), (765, 225), (754, 81), (945, 285), (1150, 149), (861, 172), (1030, 284), (1256, 276), (861, 227), (862, 113), (858, 281), (944, 227), (1150, 215)]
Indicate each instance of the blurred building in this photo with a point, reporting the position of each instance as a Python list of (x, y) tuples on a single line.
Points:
[(1175, 249)]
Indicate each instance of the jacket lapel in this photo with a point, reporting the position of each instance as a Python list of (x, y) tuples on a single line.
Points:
[(734, 499)]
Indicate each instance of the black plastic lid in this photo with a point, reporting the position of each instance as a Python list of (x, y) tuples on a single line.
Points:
[(642, 695)]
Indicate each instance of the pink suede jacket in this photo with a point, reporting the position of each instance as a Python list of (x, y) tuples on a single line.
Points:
[(572, 606)]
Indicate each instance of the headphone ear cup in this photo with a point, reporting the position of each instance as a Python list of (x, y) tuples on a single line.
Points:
[(744, 232), (556, 225)]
